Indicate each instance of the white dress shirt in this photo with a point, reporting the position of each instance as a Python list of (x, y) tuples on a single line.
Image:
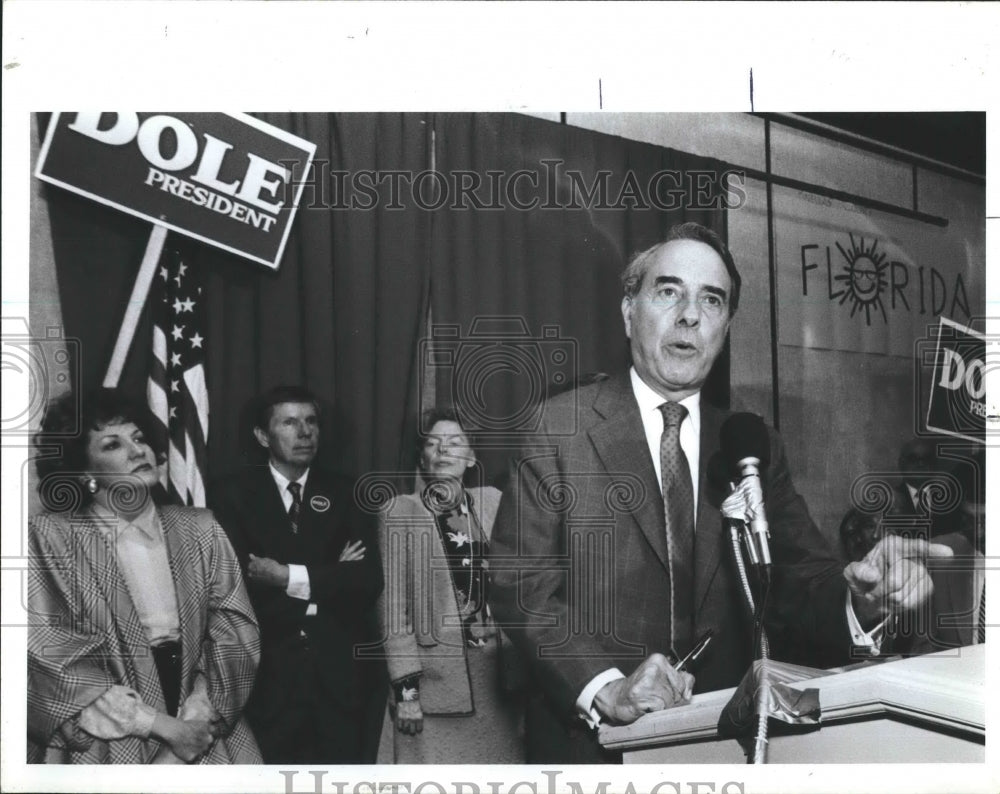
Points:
[(298, 575), (652, 422), (690, 433)]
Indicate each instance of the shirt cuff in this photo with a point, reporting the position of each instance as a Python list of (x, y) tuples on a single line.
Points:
[(407, 688), (197, 706), (870, 640), (298, 582), (585, 703), (116, 714)]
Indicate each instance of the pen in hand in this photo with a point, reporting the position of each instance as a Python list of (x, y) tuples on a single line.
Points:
[(695, 653)]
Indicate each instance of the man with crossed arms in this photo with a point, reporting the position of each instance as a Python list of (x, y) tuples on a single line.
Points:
[(313, 573)]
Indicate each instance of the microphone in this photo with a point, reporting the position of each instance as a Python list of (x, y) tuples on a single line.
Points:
[(747, 450)]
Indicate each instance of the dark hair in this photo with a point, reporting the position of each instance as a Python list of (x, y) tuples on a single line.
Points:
[(636, 268), (918, 454), (265, 403), (859, 532), (430, 417), (69, 421)]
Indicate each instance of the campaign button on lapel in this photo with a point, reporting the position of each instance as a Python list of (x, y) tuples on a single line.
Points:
[(319, 503)]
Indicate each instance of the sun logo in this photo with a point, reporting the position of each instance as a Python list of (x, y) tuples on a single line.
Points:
[(863, 278)]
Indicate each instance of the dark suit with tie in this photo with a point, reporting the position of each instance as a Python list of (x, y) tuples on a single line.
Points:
[(309, 702), (923, 519), (580, 573)]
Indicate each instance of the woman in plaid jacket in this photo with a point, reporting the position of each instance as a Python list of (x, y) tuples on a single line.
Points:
[(142, 644)]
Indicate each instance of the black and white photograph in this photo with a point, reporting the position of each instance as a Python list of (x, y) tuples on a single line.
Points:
[(626, 431)]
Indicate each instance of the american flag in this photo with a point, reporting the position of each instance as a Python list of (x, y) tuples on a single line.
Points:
[(176, 389)]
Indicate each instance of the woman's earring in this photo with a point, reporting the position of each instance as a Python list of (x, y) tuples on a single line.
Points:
[(92, 485)]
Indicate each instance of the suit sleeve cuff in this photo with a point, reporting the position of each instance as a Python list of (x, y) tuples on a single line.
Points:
[(869, 640), (298, 582), (585, 703)]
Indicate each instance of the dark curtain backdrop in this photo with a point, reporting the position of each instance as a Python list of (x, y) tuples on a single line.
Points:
[(346, 312), (342, 314), (556, 266)]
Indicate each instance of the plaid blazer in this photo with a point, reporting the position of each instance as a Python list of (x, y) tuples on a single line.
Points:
[(84, 636)]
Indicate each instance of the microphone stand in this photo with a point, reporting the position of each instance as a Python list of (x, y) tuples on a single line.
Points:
[(761, 646), (745, 445), (763, 687)]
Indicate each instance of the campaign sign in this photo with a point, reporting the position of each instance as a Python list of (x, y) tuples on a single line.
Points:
[(957, 404), (226, 179)]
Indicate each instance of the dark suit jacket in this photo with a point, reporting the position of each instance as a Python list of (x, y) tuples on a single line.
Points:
[(950, 620), (923, 520), (250, 509), (579, 558)]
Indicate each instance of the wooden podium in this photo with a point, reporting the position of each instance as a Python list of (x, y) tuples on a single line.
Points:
[(926, 709)]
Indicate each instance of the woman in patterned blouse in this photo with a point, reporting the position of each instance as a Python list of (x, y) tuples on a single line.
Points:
[(450, 701)]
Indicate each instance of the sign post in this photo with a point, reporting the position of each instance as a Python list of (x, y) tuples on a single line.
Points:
[(136, 302), (227, 179)]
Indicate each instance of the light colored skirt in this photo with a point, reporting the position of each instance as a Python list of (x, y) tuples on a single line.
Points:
[(492, 734)]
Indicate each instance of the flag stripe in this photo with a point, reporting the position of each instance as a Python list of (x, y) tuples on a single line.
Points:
[(196, 391), (159, 346), (176, 388), (194, 438)]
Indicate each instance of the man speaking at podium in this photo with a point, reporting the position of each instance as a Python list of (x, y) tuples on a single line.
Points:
[(610, 555)]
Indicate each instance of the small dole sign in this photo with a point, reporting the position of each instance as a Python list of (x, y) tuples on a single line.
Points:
[(957, 404), (227, 179)]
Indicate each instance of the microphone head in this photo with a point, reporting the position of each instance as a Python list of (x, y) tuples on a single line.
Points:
[(744, 435), (718, 472)]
